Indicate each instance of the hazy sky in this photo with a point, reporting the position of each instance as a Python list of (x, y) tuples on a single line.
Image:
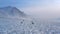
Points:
[(42, 8)]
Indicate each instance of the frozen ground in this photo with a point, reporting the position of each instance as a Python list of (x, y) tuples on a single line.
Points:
[(28, 26)]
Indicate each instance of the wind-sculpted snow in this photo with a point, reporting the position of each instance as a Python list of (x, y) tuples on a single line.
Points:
[(28, 26)]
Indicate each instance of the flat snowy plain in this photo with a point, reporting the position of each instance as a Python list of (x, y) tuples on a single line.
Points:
[(28, 26)]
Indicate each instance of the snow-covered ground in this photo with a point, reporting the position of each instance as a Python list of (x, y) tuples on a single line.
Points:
[(13, 21), (28, 26)]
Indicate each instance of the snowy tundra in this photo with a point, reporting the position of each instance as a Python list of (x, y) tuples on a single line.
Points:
[(14, 22)]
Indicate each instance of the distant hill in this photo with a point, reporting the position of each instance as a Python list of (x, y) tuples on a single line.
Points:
[(11, 11)]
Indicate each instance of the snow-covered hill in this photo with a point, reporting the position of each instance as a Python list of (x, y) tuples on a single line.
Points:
[(10, 12)]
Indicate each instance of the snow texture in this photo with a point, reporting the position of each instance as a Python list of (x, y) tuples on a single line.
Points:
[(27, 26), (21, 25)]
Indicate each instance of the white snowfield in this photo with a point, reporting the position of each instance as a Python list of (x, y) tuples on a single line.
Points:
[(28, 26), (13, 21)]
